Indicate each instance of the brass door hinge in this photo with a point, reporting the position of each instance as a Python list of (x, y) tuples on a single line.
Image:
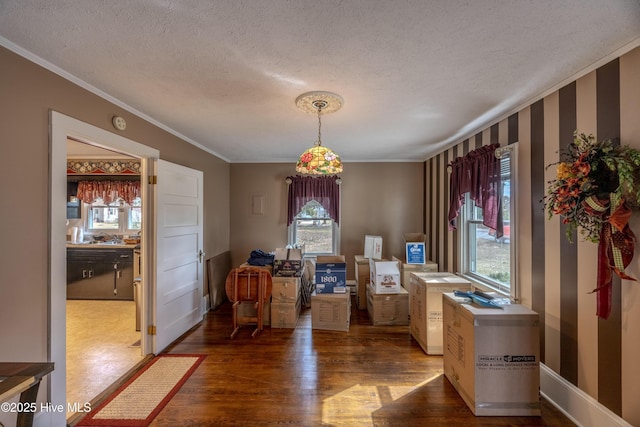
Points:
[(151, 330), (153, 179)]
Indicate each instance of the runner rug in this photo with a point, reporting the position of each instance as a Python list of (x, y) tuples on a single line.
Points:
[(141, 398)]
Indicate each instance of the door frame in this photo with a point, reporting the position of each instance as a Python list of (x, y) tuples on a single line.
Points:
[(62, 127)]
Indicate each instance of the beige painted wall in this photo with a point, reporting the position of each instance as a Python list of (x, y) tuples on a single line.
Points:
[(384, 199), (28, 93)]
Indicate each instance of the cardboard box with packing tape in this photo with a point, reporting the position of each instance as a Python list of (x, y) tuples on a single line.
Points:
[(331, 275), (287, 262)]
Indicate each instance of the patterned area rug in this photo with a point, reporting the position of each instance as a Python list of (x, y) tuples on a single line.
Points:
[(139, 400)]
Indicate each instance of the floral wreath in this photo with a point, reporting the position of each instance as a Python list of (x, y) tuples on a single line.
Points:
[(597, 186)]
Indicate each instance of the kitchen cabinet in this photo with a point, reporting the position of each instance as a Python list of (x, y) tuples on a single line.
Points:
[(100, 273), (73, 203)]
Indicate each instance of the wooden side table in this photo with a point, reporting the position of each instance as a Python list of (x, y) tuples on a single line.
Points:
[(23, 378)]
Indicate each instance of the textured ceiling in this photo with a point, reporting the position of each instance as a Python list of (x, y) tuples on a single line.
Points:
[(415, 75)]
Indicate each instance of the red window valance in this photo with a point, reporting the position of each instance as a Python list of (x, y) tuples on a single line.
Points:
[(323, 189), (108, 191), (477, 173)]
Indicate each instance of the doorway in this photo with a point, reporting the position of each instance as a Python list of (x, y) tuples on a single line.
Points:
[(103, 333), (63, 128), (172, 243)]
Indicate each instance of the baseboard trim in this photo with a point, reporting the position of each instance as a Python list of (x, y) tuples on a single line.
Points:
[(577, 405), (206, 304)]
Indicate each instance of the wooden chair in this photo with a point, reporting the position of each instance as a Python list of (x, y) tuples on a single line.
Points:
[(248, 285)]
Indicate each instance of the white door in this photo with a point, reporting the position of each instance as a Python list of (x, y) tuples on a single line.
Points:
[(179, 256)]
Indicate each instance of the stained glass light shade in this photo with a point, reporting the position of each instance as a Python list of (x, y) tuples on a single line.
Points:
[(319, 160)]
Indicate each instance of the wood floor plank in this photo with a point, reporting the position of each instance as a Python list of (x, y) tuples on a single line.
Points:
[(369, 376)]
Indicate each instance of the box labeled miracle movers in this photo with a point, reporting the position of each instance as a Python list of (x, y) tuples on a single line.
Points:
[(331, 275), (492, 357)]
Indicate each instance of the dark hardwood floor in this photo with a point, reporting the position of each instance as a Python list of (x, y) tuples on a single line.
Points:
[(369, 376)]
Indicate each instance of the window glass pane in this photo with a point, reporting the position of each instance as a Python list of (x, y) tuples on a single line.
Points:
[(313, 228), (489, 257), (103, 217), (315, 234), (135, 215)]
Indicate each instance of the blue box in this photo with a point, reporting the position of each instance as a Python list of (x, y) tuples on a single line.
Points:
[(415, 253), (331, 275)]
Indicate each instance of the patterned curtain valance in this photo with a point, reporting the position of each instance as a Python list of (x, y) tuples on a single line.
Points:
[(103, 167), (323, 189), (108, 191), (477, 173)]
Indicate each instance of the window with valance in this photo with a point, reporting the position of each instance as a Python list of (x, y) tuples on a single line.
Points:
[(313, 213), (478, 174), (323, 189)]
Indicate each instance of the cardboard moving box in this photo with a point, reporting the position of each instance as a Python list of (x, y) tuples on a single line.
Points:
[(372, 246), (287, 262), (388, 309), (415, 248), (407, 269), (425, 300), (286, 289), (331, 275), (385, 276), (285, 314), (492, 357), (331, 311), (363, 278)]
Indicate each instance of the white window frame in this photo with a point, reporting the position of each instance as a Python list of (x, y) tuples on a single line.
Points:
[(464, 248), (335, 234), (124, 215)]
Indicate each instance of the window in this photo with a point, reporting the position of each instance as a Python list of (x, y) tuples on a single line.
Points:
[(314, 229), (117, 217), (485, 258), (313, 213)]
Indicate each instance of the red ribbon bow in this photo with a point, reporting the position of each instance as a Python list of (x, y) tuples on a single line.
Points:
[(615, 248)]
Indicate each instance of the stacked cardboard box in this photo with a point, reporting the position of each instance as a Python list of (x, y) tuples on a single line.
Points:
[(331, 311), (415, 248), (492, 357), (425, 300), (286, 301), (387, 301), (287, 262), (363, 278), (372, 246), (384, 276), (331, 275), (407, 269), (388, 309)]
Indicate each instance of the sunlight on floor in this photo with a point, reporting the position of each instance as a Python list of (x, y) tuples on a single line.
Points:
[(357, 403), (100, 346)]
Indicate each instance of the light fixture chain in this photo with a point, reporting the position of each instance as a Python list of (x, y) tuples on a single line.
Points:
[(319, 128)]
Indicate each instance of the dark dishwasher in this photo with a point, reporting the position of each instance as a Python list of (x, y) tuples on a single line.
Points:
[(100, 273)]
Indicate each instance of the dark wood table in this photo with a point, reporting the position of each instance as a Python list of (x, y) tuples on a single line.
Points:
[(23, 378)]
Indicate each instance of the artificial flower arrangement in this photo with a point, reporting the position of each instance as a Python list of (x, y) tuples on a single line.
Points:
[(597, 186)]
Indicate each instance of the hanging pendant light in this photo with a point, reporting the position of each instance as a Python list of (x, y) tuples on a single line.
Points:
[(319, 160)]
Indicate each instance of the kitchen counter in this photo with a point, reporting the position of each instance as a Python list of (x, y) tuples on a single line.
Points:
[(103, 245)]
